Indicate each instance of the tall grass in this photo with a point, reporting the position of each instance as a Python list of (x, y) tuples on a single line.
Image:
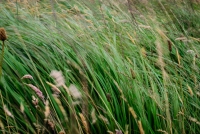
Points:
[(100, 67)]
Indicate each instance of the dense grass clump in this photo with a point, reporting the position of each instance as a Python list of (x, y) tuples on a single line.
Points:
[(100, 67)]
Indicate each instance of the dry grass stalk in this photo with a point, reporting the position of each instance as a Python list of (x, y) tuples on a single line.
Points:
[(66, 89), (131, 38), (120, 90), (84, 122), (178, 57), (165, 78), (140, 127), (169, 45), (155, 97), (181, 38), (85, 104), (131, 11), (145, 26), (160, 55)]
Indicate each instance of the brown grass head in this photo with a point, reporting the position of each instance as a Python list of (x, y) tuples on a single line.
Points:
[(3, 36)]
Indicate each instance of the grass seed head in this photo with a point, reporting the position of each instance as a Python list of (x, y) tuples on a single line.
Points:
[(27, 76), (132, 73), (93, 115), (190, 90), (21, 107), (37, 91), (133, 112), (7, 111), (84, 122), (1, 125), (35, 101), (118, 131), (3, 36), (47, 109), (140, 127)]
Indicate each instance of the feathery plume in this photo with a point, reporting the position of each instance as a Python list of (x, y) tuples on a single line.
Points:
[(76, 94), (58, 77)]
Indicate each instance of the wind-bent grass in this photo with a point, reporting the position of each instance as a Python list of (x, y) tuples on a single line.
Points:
[(116, 75)]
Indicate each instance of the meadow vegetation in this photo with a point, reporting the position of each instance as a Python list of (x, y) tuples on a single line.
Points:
[(100, 66)]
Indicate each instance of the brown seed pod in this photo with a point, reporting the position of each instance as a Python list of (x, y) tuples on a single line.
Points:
[(3, 36)]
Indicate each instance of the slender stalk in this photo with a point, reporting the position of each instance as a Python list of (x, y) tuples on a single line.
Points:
[(1, 60)]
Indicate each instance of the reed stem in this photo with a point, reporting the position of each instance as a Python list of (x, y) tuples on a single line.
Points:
[(1, 60)]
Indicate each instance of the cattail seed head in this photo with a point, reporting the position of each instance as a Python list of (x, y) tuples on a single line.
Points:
[(3, 36)]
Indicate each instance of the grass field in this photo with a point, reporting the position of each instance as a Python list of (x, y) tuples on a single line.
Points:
[(97, 66)]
